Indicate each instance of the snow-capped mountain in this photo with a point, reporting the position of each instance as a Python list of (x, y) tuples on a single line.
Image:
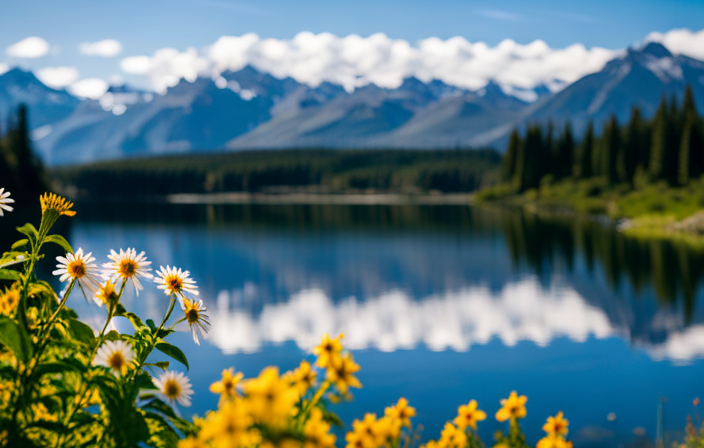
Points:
[(248, 109)]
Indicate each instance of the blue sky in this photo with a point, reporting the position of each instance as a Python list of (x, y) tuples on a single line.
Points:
[(143, 27)]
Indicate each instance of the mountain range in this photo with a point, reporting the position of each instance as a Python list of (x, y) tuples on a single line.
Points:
[(248, 109)]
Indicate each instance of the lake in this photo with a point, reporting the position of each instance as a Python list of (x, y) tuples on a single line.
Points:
[(440, 304)]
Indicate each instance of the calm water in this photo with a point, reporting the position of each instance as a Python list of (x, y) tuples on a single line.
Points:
[(439, 304)]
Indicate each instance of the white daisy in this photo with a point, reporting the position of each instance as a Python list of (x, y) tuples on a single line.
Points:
[(4, 200), (127, 265), (175, 387), (78, 267), (194, 310), (115, 355), (175, 281)]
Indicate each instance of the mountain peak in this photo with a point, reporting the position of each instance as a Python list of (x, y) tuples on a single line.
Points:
[(656, 49)]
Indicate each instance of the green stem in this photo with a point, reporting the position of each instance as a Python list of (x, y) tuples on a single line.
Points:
[(111, 313), (155, 338), (313, 401)]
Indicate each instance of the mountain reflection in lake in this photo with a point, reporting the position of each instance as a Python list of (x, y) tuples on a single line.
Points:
[(440, 304)]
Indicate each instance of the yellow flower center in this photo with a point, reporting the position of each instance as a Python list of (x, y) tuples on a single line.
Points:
[(172, 389), (175, 283), (192, 315), (117, 361), (128, 268), (76, 269), (228, 385)]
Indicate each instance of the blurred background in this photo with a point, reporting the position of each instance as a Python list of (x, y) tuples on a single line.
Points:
[(314, 165)]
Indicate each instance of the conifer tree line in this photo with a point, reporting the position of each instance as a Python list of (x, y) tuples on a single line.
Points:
[(669, 147), (21, 170)]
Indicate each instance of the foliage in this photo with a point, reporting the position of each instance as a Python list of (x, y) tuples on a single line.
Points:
[(21, 170), (328, 170), (669, 148)]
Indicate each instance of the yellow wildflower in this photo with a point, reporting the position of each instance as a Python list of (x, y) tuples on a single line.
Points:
[(42, 413), (303, 378), (354, 440), (369, 431), (227, 386), (553, 441), (401, 412), (556, 425), (107, 295), (52, 202), (317, 431), (341, 373), (328, 350), (228, 427), (468, 415), (388, 429), (270, 398), (513, 407), (452, 437), (9, 299)]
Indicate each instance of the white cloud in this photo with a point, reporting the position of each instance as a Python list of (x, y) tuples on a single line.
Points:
[(89, 88), (353, 61), (30, 47), (57, 77), (4, 68), (106, 48), (681, 41)]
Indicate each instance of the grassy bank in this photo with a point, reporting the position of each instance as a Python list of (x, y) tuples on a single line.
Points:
[(646, 210), (326, 171)]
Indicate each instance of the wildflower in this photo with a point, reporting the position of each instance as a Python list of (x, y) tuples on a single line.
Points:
[(317, 431), (175, 281), (553, 441), (9, 299), (388, 430), (107, 295), (128, 266), (270, 398), (368, 430), (556, 425), (226, 387), (401, 412), (513, 407), (175, 387), (303, 378), (51, 202), (328, 350), (115, 355), (341, 373), (78, 267), (468, 415), (4, 200), (194, 311), (452, 437), (354, 440), (228, 426)]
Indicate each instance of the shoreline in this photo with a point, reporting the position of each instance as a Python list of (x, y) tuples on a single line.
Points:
[(322, 198)]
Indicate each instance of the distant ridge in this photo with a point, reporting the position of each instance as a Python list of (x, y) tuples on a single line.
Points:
[(248, 109)]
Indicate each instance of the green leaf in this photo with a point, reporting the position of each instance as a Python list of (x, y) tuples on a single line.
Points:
[(55, 367), (19, 243), (6, 274), (151, 325), (15, 338), (81, 331), (174, 352), (61, 241), (163, 365), (164, 332), (29, 230), (136, 321), (112, 336), (120, 310)]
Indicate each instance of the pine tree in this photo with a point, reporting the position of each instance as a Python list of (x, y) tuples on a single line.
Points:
[(565, 153), (509, 163), (672, 148), (658, 147), (583, 167), (28, 171), (532, 164), (691, 153), (631, 148), (610, 147)]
